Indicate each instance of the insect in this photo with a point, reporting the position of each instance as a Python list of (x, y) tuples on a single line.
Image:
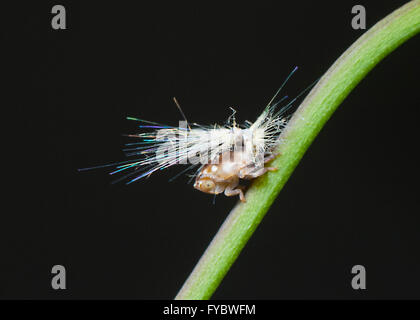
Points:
[(224, 154), (224, 176)]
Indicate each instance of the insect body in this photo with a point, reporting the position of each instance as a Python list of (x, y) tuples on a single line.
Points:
[(224, 154), (215, 178)]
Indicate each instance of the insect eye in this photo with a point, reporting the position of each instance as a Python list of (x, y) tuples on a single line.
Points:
[(208, 184)]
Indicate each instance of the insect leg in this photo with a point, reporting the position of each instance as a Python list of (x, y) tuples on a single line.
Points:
[(229, 192), (271, 157), (254, 174)]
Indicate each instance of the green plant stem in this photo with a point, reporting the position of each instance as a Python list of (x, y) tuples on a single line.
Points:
[(307, 121)]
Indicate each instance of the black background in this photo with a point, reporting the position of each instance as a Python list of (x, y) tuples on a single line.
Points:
[(353, 199)]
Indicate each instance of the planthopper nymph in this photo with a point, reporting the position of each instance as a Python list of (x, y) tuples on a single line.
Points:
[(221, 155)]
